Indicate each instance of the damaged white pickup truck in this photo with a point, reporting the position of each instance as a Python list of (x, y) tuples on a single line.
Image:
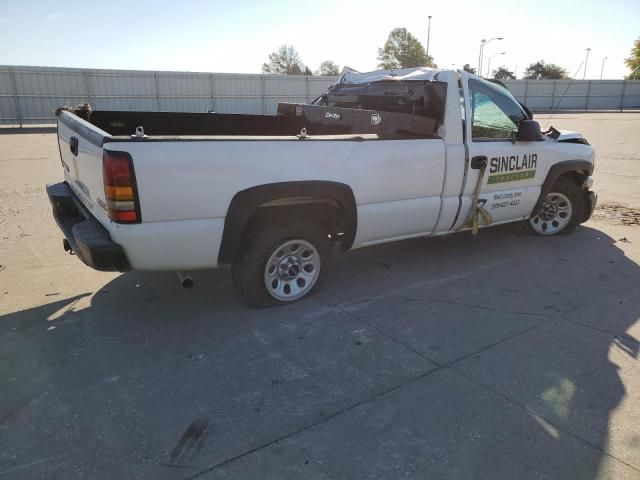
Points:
[(380, 157)]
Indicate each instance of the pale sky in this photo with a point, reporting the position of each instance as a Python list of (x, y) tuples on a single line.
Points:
[(224, 36)]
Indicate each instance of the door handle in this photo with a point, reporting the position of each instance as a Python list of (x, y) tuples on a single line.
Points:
[(73, 146), (479, 162)]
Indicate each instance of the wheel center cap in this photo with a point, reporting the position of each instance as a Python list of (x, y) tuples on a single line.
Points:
[(289, 268), (294, 270), (548, 211)]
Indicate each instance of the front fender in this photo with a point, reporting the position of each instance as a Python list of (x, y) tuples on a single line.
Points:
[(582, 167)]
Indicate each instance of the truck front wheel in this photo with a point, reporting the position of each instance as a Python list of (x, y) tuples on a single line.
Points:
[(561, 211), (281, 262)]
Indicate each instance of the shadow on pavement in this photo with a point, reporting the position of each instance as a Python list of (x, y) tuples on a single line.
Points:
[(498, 356)]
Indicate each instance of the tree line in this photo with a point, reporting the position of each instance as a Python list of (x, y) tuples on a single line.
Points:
[(286, 61), (536, 71), (403, 50)]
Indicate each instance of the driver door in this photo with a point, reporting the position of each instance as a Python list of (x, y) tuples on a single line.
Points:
[(515, 169)]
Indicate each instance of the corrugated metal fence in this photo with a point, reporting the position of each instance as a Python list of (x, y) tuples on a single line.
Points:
[(580, 95), (30, 95)]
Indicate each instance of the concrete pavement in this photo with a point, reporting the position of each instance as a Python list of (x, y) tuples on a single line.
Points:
[(499, 357)]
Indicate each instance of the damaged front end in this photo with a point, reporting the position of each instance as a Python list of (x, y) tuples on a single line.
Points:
[(566, 136)]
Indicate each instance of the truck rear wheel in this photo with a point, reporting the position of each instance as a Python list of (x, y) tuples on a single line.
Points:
[(561, 211), (281, 262)]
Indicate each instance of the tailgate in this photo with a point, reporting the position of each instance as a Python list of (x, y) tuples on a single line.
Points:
[(80, 145)]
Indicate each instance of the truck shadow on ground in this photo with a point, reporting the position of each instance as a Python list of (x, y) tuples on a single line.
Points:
[(517, 340)]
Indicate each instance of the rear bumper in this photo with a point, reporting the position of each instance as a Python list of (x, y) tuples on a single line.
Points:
[(87, 237)]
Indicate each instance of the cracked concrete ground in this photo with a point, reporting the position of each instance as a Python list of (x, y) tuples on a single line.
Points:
[(495, 357)]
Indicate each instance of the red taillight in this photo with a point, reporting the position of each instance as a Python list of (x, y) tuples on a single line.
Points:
[(126, 216), (117, 169), (120, 187)]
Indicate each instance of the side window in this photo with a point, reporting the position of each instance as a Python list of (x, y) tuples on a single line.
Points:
[(495, 113)]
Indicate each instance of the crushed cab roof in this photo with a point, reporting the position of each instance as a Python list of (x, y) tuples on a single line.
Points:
[(415, 73)]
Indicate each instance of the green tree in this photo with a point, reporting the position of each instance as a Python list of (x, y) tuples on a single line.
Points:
[(328, 68), (633, 62), (503, 73), (403, 50), (285, 61), (469, 68), (545, 71)]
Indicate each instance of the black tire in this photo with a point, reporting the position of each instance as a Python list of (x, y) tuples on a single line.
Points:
[(574, 194), (260, 242)]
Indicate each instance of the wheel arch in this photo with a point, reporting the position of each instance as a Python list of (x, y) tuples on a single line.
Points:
[(245, 204), (571, 168)]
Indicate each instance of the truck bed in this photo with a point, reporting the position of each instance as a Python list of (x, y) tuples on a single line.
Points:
[(386, 109), (118, 123), (289, 122)]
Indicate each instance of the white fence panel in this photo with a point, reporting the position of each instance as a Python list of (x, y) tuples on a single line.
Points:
[(631, 95), (32, 94), (516, 87), (8, 99), (319, 85)]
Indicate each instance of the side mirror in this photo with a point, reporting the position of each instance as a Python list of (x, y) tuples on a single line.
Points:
[(529, 131)]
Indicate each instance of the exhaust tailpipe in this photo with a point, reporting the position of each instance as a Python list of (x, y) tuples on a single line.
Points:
[(185, 279)]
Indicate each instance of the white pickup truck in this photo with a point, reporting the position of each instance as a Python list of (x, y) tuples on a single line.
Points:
[(380, 157)]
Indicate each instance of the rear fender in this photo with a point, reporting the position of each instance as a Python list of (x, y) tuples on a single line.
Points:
[(245, 203)]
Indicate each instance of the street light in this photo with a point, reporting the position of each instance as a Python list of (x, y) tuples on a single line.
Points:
[(586, 61), (428, 37), (602, 69), (484, 42), (489, 62)]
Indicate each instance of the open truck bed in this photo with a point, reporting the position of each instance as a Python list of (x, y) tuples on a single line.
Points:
[(386, 109)]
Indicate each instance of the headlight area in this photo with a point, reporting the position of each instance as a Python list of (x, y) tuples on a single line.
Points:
[(588, 182), (580, 140)]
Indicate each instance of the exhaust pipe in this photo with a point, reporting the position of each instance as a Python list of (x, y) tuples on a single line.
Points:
[(185, 279)]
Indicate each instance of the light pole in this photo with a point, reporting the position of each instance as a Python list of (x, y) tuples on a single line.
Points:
[(602, 69), (586, 61), (428, 37), (483, 43), (489, 62)]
